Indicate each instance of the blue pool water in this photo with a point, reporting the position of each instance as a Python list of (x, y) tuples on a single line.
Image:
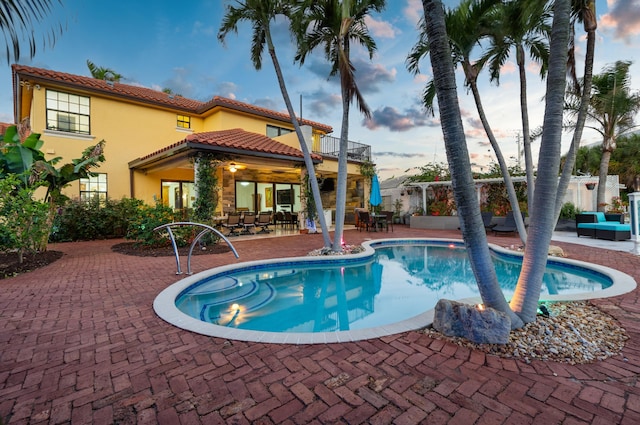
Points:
[(399, 281)]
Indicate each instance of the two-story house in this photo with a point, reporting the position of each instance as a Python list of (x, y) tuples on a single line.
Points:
[(151, 139)]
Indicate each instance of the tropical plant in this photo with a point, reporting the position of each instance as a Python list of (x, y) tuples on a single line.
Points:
[(260, 14), (19, 20), (25, 159), (520, 26), (142, 225), (612, 108), (102, 73), (23, 220), (206, 202), (335, 26)]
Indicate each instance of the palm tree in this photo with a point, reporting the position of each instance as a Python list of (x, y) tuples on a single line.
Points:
[(527, 293), (458, 157), (466, 26), (335, 25), (521, 25), (102, 73), (612, 107), (260, 13), (524, 302), (19, 18), (581, 11)]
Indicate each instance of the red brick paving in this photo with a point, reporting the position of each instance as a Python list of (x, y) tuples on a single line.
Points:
[(80, 343)]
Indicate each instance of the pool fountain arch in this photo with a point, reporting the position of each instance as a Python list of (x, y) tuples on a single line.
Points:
[(165, 303)]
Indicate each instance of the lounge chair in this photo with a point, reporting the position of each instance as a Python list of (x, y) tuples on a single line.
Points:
[(264, 221), (248, 223), (509, 225), (232, 224), (487, 218)]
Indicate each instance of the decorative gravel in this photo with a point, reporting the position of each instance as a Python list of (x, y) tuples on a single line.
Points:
[(575, 332)]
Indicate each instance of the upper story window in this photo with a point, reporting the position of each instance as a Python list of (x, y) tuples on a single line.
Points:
[(68, 112), (184, 121), (94, 186), (273, 131)]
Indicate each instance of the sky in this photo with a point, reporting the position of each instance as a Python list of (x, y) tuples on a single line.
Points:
[(167, 44)]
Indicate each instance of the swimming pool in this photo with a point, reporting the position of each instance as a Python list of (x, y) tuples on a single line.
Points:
[(391, 287)]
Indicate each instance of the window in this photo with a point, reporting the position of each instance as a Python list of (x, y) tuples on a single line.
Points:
[(184, 121), (273, 131), (67, 112), (94, 186), (178, 194)]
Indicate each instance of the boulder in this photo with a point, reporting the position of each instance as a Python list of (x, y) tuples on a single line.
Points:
[(482, 326)]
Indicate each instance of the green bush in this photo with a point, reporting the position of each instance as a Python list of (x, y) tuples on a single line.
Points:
[(148, 218), (93, 219), (23, 220), (569, 211)]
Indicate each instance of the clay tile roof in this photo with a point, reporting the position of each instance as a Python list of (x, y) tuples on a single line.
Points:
[(143, 94), (4, 126), (238, 141)]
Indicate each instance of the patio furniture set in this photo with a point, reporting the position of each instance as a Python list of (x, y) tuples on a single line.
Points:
[(600, 225), (247, 223)]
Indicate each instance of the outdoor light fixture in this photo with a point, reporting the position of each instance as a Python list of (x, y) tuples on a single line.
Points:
[(232, 167)]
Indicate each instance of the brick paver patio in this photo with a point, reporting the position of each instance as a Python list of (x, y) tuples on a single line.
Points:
[(80, 343)]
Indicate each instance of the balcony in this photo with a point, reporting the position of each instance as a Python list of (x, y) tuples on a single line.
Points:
[(329, 146)]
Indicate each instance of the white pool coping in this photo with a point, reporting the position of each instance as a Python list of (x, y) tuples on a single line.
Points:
[(165, 306)]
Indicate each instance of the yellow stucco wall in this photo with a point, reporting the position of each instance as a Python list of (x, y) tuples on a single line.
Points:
[(133, 130)]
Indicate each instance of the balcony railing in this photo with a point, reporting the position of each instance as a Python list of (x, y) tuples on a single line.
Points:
[(330, 147)]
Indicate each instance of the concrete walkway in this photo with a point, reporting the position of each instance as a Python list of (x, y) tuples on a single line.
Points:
[(80, 343)]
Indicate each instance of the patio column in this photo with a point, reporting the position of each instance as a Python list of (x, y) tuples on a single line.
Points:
[(634, 214)]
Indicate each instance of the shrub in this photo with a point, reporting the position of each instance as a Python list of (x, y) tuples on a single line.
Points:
[(23, 220), (569, 211), (93, 219), (148, 218)]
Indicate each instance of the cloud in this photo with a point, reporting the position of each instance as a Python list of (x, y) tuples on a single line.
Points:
[(414, 11), (394, 120), (623, 17), (320, 103), (227, 89), (399, 154), (199, 28), (180, 83), (267, 103), (380, 29), (369, 76)]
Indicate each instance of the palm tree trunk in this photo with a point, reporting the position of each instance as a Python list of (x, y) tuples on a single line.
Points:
[(527, 293), (508, 182), (341, 186), (308, 162), (458, 157), (524, 111), (602, 178), (570, 161)]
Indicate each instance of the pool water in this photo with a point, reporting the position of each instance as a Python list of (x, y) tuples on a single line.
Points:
[(397, 283)]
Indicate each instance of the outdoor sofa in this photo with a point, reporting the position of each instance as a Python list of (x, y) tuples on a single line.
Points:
[(602, 226)]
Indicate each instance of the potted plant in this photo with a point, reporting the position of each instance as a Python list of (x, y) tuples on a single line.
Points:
[(397, 210)]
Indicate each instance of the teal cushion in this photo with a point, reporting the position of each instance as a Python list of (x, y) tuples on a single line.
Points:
[(600, 216), (616, 227), (588, 225)]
